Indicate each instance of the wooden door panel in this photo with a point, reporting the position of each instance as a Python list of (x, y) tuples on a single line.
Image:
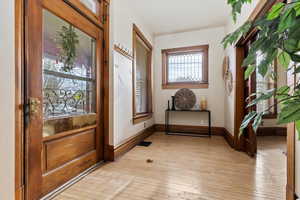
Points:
[(61, 175), (59, 143), (63, 150)]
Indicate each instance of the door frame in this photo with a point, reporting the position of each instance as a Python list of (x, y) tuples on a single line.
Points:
[(240, 49), (239, 142), (20, 143)]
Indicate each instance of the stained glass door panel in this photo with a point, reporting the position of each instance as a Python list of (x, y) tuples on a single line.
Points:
[(69, 81)]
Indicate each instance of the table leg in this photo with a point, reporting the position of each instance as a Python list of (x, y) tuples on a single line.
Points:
[(166, 122), (209, 124)]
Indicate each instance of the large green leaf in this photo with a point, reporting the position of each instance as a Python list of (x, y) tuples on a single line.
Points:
[(262, 24), (294, 31), (266, 61), (237, 6), (262, 97), (248, 118), (263, 44), (282, 92), (275, 11), (249, 71), (284, 59), (249, 60), (233, 37), (291, 45), (257, 121), (297, 123), (297, 8), (286, 20), (289, 113)]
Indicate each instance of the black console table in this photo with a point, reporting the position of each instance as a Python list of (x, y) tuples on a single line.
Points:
[(186, 133)]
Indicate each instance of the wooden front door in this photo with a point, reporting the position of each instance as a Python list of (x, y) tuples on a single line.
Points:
[(63, 94)]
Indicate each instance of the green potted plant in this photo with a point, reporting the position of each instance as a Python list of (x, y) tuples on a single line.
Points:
[(279, 39)]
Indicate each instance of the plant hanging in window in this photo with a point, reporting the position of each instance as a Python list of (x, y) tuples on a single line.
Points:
[(67, 41)]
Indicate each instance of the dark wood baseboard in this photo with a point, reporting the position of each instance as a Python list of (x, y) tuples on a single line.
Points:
[(201, 130), (109, 153), (272, 131), (124, 148), (290, 195), (229, 138)]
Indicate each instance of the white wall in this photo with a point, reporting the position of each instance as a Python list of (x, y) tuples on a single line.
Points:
[(215, 93), (7, 144), (122, 20)]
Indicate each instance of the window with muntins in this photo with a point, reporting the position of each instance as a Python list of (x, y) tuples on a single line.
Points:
[(185, 67)]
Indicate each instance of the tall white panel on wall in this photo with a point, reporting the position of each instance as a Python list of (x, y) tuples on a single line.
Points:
[(123, 101)]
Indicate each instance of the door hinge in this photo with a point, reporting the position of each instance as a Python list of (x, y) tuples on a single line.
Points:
[(26, 110), (103, 44), (104, 19), (31, 108)]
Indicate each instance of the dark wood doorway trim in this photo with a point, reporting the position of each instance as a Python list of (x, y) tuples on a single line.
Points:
[(291, 147), (19, 95), (20, 157), (241, 49), (239, 142)]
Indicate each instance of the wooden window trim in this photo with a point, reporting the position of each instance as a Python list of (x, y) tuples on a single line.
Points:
[(140, 117), (192, 85)]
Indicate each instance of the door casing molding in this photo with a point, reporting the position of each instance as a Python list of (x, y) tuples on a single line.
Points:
[(19, 96)]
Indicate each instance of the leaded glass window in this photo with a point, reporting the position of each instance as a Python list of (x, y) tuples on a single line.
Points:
[(68, 69), (185, 67)]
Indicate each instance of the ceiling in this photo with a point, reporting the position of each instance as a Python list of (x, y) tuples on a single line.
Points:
[(171, 16)]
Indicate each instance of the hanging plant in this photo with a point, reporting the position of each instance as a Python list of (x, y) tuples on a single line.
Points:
[(67, 41)]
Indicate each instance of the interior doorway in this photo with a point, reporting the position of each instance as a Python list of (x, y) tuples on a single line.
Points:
[(272, 141)]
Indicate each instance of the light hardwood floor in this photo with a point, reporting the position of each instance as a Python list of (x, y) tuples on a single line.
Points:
[(188, 168)]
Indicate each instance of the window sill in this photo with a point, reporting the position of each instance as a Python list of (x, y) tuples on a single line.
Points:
[(185, 85), (141, 118)]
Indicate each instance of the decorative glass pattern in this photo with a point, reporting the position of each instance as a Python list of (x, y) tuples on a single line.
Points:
[(68, 69), (185, 67)]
